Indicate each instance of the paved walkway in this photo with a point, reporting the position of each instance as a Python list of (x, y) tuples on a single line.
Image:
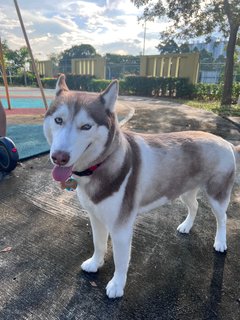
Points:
[(46, 236)]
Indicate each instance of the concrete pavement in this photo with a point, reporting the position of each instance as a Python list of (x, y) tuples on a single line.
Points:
[(171, 276)]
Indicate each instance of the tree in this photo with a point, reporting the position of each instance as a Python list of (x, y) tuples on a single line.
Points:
[(123, 59), (206, 56), (191, 19), (169, 46), (5, 47), (184, 48), (17, 59), (75, 52), (54, 57), (220, 59), (119, 66)]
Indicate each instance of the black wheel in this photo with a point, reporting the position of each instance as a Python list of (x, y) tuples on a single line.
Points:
[(8, 155)]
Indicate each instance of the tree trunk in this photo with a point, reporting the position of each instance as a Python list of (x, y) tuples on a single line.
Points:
[(25, 77), (228, 73)]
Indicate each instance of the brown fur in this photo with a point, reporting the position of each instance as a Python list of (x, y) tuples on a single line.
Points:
[(183, 166), (91, 102), (218, 187), (104, 182), (130, 191)]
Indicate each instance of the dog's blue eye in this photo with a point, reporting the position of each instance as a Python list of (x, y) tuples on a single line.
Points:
[(58, 120), (86, 127)]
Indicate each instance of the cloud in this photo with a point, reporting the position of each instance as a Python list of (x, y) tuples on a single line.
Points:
[(56, 25), (133, 47), (125, 6)]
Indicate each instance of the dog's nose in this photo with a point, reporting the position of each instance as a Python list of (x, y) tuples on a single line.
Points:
[(60, 158)]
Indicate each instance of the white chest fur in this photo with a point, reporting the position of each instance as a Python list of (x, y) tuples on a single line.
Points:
[(107, 210)]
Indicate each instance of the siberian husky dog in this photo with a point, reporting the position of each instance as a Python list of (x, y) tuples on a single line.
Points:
[(120, 173)]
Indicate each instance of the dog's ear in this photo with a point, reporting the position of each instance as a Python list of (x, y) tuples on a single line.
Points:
[(109, 95), (61, 85)]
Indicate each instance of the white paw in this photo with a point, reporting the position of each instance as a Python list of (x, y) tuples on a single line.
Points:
[(91, 265), (220, 246), (114, 289), (184, 227)]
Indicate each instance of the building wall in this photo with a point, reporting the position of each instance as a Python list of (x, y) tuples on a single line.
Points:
[(45, 68), (93, 66), (171, 65)]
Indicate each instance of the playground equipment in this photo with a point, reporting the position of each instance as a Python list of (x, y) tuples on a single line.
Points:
[(9, 156), (2, 65)]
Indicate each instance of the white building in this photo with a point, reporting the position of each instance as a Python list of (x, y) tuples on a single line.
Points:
[(216, 46)]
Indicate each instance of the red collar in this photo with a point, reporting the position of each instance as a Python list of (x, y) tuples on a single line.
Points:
[(87, 172)]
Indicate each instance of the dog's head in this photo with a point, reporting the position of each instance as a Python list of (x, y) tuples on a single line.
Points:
[(79, 126)]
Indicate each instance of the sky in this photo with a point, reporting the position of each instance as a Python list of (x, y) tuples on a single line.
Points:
[(110, 26)]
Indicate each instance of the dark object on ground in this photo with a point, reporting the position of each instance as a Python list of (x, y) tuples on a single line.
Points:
[(8, 155)]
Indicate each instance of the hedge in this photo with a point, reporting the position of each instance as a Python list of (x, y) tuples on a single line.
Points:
[(19, 80), (151, 86), (79, 82), (138, 85), (74, 82), (98, 85), (131, 85), (49, 83), (154, 86), (211, 92)]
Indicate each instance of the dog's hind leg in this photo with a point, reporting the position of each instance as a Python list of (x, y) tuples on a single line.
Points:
[(219, 210), (219, 191), (100, 237), (190, 199)]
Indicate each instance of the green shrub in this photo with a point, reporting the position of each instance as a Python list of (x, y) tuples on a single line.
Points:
[(160, 88), (157, 86), (98, 85), (49, 83), (122, 87), (79, 82), (19, 80), (213, 92), (74, 82), (138, 85), (141, 86), (208, 92), (236, 91), (184, 89)]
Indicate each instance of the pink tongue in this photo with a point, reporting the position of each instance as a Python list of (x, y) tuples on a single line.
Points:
[(61, 173)]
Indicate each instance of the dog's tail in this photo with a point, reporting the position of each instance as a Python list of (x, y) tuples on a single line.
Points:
[(236, 150)]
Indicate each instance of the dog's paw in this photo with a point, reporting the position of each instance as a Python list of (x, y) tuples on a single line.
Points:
[(114, 289), (184, 227), (220, 246), (91, 265)]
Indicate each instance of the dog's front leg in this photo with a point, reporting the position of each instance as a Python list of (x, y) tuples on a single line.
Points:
[(121, 242), (100, 237)]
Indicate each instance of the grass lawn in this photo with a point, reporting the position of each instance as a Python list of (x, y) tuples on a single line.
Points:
[(214, 106)]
